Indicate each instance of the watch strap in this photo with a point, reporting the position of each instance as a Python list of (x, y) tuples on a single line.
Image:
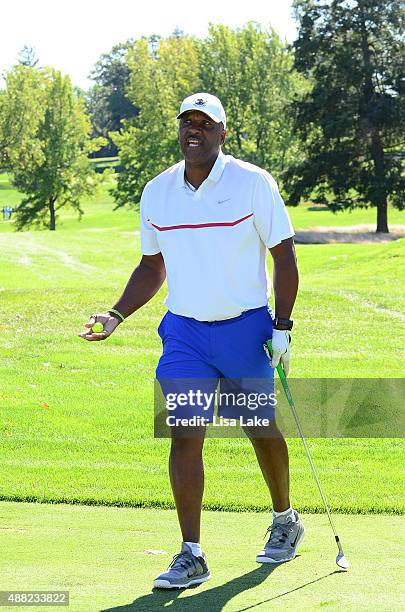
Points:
[(283, 324)]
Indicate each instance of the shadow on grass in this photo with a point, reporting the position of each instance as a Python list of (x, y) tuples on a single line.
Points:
[(213, 599), (292, 590)]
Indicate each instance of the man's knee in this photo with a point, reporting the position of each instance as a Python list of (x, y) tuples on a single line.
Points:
[(184, 440), (262, 436)]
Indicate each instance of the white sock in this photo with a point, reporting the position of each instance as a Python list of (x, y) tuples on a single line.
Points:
[(195, 548), (285, 516)]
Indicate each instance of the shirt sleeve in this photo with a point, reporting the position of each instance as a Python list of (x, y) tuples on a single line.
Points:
[(271, 218), (149, 243)]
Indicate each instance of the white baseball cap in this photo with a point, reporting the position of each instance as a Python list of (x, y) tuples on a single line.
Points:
[(205, 103)]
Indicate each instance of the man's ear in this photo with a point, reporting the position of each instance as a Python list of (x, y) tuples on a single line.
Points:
[(223, 136)]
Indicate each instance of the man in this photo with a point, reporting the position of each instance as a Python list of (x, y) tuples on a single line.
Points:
[(207, 223)]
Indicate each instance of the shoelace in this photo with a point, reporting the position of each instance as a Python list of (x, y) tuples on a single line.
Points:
[(280, 531), (182, 559)]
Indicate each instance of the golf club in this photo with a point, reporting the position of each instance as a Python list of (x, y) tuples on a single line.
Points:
[(341, 560)]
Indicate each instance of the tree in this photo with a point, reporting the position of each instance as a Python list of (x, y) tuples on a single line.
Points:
[(107, 102), (353, 117), (163, 72), (21, 105), (45, 134), (250, 70)]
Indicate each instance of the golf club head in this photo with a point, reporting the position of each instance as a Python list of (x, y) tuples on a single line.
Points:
[(342, 562)]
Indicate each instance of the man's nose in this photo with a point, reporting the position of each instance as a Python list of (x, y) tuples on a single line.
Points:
[(194, 127)]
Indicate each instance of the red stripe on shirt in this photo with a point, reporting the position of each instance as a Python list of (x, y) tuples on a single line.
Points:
[(199, 225)]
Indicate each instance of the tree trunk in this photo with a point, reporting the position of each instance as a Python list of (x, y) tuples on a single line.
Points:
[(52, 222), (382, 222), (379, 195)]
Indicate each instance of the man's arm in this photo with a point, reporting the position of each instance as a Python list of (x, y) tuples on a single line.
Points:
[(144, 282), (285, 284), (285, 277)]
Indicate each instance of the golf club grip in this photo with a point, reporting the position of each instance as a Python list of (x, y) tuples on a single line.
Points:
[(279, 368)]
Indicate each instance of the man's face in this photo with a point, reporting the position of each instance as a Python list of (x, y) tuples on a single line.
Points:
[(200, 137)]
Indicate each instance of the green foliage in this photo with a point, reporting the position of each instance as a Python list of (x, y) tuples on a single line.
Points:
[(250, 70), (20, 110), (353, 118), (163, 72), (45, 130), (107, 102)]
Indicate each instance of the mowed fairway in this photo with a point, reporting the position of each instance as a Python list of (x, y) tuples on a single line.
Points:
[(107, 559), (77, 422)]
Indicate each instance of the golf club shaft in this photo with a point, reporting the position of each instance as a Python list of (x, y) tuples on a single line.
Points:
[(287, 391)]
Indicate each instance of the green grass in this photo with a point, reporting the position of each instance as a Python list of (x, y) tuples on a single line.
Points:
[(98, 215), (96, 160), (8, 195), (107, 559), (303, 216), (312, 215), (76, 418)]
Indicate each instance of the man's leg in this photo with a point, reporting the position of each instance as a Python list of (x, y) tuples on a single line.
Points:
[(189, 567), (286, 531), (184, 368), (245, 366), (272, 454), (240, 356), (187, 479)]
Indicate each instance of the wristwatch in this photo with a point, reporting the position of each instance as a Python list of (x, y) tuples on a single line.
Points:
[(282, 324)]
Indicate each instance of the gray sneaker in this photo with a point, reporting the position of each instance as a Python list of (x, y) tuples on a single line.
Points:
[(283, 541), (184, 571)]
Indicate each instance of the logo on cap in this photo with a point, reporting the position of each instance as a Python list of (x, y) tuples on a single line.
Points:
[(200, 102)]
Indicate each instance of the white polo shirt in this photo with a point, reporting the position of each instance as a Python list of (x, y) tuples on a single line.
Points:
[(214, 241)]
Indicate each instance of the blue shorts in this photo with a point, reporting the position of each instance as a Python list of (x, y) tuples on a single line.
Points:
[(224, 359)]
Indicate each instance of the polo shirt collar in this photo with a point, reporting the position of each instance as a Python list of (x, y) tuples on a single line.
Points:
[(217, 169), (214, 176)]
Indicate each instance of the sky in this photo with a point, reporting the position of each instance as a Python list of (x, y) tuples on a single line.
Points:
[(71, 35)]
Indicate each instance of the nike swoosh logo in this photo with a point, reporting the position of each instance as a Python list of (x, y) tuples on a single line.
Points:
[(222, 201), (296, 538)]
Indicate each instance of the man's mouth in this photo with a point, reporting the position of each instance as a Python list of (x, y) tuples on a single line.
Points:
[(193, 142)]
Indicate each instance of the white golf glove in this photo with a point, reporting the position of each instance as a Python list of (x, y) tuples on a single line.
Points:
[(281, 349)]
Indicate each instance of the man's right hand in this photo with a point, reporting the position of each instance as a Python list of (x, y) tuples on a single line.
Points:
[(109, 323)]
